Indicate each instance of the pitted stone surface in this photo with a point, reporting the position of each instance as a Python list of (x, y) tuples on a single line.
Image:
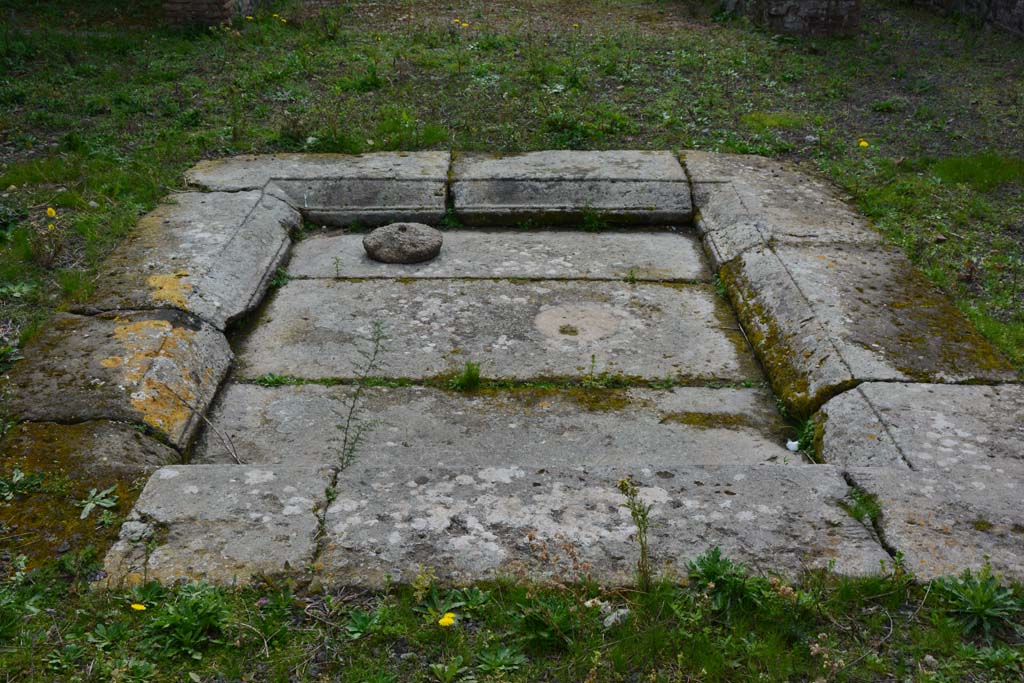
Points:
[(221, 523), (315, 328), (639, 256), (417, 426), (159, 368), (943, 525), (338, 189), (824, 318), (963, 434), (745, 201), (473, 523), (632, 187), (209, 254)]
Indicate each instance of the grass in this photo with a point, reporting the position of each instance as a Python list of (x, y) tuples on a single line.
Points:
[(719, 622), (102, 108)]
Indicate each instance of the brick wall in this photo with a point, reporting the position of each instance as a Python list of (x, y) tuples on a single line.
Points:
[(205, 12)]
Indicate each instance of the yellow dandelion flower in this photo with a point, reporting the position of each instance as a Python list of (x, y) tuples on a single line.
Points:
[(456, 20), (138, 607), (275, 15), (51, 227), (51, 212), (283, 20), (248, 17), (447, 620), (861, 142)]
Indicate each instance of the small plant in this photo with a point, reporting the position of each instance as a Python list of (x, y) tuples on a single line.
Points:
[(280, 279), (593, 221), (641, 514), (353, 429), (19, 484), (362, 623), (727, 582), (468, 379), (105, 499), (631, 277), (450, 671), (195, 620), (434, 606), (500, 660), (978, 601), (862, 506)]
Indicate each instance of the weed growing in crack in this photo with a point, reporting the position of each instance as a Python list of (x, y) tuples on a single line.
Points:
[(468, 379), (353, 428), (641, 514), (862, 506)]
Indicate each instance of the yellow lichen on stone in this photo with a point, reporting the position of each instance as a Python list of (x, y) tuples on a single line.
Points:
[(170, 289), (164, 402)]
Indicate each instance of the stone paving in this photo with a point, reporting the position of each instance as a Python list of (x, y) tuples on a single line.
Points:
[(706, 292)]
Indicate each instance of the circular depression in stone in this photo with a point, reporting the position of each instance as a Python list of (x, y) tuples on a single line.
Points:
[(578, 322)]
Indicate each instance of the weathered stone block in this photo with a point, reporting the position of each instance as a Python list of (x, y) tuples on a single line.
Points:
[(622, 187), (825, 318), (531, 428), (469, 524), (221, 523), (72, 459), (943, 526), (639, 256), (158, 368), (316, 328), (965, 434), (339, 189), (745, 201), (209, 254)]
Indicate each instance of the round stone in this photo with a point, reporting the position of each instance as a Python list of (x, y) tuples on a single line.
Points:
[(403, 243)]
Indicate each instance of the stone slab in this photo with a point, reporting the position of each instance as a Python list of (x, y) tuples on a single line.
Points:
[(224, 524), (967, 434), (823, 318), (529, 428), (658, 256), (315, 329), (469, 524), (73, 459), (158, 368), (943, 526), (623, 187), (745, 201), (209, 254), (339, 189)]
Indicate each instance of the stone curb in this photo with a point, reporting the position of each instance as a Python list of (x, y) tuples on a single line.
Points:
[(160, 369), (559, 187), (208, 254), (824, 304), (339, 189)]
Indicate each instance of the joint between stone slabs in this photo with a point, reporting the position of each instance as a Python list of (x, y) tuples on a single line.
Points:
[(874, 521)]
